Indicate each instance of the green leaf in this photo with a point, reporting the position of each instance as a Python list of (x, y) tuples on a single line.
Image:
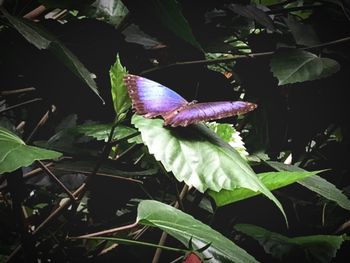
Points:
[(102, 131), (272, 180), (44, 40), (170, 15), (183, 227), (113, 11), (197, 156), (14, 153), (316, 248), (229, 134), (294, 66), (121, 100), (316, 184)]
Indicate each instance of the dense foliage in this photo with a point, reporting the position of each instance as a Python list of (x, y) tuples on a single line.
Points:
[(85, 179)]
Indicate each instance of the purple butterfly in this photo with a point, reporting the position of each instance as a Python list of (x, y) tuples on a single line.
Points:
[(152, 99)]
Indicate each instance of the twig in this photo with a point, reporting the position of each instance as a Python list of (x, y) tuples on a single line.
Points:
[(20, 104), (35, 12), (13, 254), (42, 121), (107, 232), (237, 57), (16, 91), (102, 174), (125, 138), (164, 234), (103, 156), (57, 181), (134, 242), (66, 203), (127, 151), (20, 125), (343, 227)]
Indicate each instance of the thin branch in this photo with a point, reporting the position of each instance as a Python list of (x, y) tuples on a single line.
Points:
[(125, 138), (57, 181), (134, 242), (105, 152), (20, 104), (35, 12), (13, 253), (102, 174), (237, 57), (65, 204), (16, 91), (108, 231), (41, 122)]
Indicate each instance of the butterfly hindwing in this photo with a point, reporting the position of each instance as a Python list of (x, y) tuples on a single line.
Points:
[(150, 98), (193, 113)]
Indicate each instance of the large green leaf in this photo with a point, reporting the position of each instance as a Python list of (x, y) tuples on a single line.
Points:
[(170, 15), (197, 156), (44, 40), (183, 227), (14, 153), (272, 180), (291, 66), (121, 100), (316, 248), (316, 184)]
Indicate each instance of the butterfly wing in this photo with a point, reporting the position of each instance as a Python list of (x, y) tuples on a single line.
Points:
[(193, 113), (150, 98)]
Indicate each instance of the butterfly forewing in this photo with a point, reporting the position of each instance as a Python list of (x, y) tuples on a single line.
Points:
[(150, 98), (193, 113)]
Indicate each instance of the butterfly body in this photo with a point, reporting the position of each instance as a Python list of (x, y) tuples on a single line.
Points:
[(152, 99)]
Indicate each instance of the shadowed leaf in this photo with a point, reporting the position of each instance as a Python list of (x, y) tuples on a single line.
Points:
[(291, 66)]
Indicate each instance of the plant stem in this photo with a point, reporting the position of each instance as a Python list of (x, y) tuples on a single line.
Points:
[(16, 91), (133, 242), (103, 156), (108, 231), (57, 181), (65, 204), (20, 104), (41, 122), (102, 174), (237, 57)]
